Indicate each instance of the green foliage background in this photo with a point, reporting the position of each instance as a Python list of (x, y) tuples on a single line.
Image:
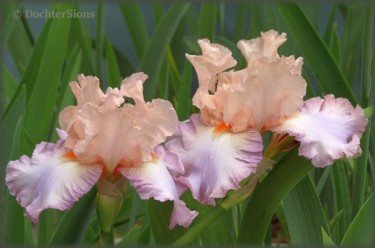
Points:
[(313, 206)]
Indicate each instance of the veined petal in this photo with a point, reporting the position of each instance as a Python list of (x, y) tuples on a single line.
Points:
[(115, 135), (215, 58), (49, 179), (328, 129), (87, 90), (269, 88), (152, 179), (264, 46), (215, 161)]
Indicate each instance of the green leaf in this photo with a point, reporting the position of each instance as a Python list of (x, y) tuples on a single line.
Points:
[(66, 97), (182, 101), (322, 180), (157, 46), (219, 232), (114, 74), (74, 223), (207, 21), (304, 214), (136, 26), (334, 226), (13, 218), (367, 51), (316, 53), (43, 72), (342, 198), (351, 47), (132, 236), (201, 224), (20, 42), (160, 214), (361, 230), (327, 241), (9, 22), (359, 171), (84, 43), (9, 87), (335, 45), (99, 41), (240, 23), (268, 195)]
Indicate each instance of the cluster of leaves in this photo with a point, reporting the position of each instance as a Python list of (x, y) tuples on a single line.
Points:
[(312, 206)]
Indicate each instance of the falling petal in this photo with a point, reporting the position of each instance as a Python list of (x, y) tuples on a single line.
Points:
[(328, 129), (49, 179), (153, 180), (215, 159)]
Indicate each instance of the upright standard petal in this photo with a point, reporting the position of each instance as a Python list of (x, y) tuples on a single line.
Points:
[(152, 179), (115, 135), (157, 118), (269, 88), (265, 46), (49, 179), (215, 159), (215, 58), (328, 129)]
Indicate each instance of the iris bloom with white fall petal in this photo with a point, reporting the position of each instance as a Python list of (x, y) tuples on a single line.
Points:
[(102, 137), (222, 145)]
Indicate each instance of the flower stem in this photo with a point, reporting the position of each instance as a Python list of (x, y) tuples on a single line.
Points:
[(106, 238)]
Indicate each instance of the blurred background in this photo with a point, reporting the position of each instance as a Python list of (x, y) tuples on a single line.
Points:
[(45, 46)]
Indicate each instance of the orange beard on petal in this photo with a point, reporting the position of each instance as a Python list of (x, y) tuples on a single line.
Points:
[(221, 128), (70, 155)]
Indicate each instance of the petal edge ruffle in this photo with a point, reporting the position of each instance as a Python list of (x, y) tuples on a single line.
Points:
[(49, 179), (214, 162), (328, 129)]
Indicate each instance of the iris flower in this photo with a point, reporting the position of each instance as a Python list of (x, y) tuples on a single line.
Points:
[(102, 137), (222, 145)]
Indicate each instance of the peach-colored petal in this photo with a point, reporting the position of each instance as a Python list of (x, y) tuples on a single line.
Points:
[(110, 138), (112, 133), (87, 90), (214, 59), (328, 129), (132, 86), (268, 89), (264, 46)]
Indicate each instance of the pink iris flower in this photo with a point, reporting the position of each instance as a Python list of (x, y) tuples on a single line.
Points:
[(222, 145), (102, 137)]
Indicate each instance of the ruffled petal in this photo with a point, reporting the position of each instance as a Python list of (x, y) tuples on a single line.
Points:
[(215, 161), (132, 86), (152, 179), (49, 179), (215, 58), (87, 90), (269, 88), (328, 129), (264, 46), (115, 135)]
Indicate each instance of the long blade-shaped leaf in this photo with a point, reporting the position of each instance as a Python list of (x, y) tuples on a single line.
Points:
[(361, 230), (153, 56), (136, 25), (304, 214), (267, 196), (49, 54), (74, 223), (315, 52), (160, 214)]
